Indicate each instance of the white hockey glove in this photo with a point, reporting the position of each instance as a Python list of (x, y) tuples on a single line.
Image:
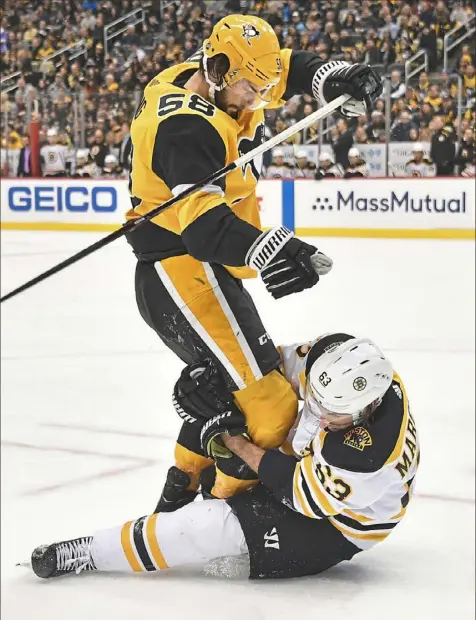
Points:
[(337, 78), (286, 264)]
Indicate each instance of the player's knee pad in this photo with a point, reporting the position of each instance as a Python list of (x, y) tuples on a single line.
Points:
[(270, 406)]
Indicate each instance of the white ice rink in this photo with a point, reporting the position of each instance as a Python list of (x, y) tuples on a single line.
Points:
[(88, 431)]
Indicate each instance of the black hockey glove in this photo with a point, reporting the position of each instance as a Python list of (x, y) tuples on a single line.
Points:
[(337, 78), (231, 422), (286, 264), (201, 393)]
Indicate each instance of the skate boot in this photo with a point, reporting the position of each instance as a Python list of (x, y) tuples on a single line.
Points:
[(175, 493), (62, 558)]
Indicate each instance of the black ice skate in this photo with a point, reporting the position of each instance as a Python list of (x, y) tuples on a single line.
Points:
[(175, 494), (62, 558)]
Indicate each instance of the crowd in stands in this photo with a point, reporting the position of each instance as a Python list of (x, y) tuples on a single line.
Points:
[(89, 99)]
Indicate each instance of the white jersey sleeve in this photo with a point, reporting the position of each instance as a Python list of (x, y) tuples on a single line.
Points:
[(293, 363)]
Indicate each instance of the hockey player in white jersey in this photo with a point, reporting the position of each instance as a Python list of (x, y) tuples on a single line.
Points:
[(357, 165), (54, 156), (420, 165), (279, 167), (305, 168), (328, 168), (341, 485)]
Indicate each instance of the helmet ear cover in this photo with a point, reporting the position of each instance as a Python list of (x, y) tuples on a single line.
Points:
[(216, 68)]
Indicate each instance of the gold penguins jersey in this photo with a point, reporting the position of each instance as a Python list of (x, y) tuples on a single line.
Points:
[(179, 138), (361, 478)]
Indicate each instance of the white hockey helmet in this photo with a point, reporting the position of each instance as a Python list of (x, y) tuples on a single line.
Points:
[(82, 154), (353, 152), (418, 147), (277, 152), (348, 375), (326, 157), (110, 159), (301, 154)]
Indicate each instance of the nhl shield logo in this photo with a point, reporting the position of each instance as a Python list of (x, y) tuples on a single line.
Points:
[(358, 438), (250, 32), (359, 384)]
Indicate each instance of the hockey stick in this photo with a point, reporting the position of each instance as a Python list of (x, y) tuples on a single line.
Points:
[(326, 110)]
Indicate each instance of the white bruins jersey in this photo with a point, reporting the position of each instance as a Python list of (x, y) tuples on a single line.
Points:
[(469, 171), (359, 170), (335, 171), (423, 168), (305, 172), (360, 479), (283, 171), (54, 158)]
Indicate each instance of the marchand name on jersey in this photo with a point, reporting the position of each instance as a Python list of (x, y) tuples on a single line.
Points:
[(409, 448)]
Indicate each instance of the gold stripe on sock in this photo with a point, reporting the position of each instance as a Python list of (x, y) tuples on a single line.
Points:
[(153, 543), (127, 547)]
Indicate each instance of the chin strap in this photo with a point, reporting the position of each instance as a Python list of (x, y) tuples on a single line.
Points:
[(212, 87)]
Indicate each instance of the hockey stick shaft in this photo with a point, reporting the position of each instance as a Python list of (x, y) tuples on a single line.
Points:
[(323, 112)]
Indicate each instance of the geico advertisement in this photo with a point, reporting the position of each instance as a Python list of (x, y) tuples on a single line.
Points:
[(389, 203), (64, 201), (97, 201)]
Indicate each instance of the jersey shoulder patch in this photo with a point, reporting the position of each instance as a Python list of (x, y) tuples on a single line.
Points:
[(367, 449)]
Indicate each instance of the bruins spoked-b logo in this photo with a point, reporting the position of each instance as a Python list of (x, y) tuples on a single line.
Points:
[(250, 32), (358, 438), (359, 384)]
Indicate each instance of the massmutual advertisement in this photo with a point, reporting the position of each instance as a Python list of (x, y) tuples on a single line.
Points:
[(437, 208), (386, 207)]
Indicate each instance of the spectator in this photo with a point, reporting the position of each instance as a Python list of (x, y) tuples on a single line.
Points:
[(376, 128), (414, 135), (433, 97), (397, 87), (389, 27), (342, 141), (443, 147), (423, 117), (98, 149), (469, 81), (360, 136), (309, 134), (466, 149), (24, 160), (428, 42), (372, 53), (401, 130)]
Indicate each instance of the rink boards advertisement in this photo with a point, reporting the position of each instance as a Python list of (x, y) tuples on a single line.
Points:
[(388, 207)]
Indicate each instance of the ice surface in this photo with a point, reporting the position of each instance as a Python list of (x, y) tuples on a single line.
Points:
[(88, 430)]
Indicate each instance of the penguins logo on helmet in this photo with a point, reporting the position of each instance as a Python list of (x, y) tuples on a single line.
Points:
[(359, 384), (250, 32)]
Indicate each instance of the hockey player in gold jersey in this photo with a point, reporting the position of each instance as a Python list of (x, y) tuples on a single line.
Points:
[(341, 484), (194, 119)]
